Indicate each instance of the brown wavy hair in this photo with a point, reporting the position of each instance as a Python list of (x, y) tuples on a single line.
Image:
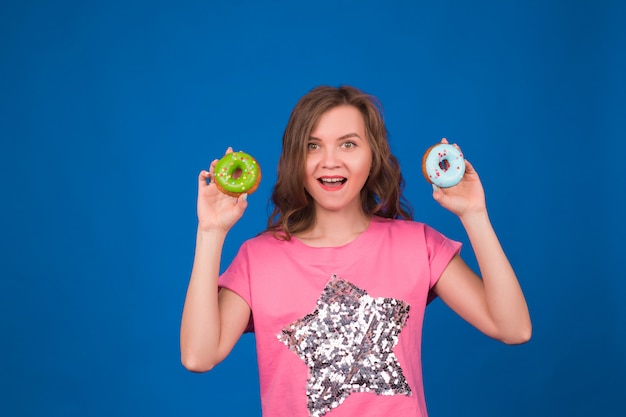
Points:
[(293, 207)]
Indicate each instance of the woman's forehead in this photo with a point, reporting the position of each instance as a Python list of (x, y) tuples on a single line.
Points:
[(339, 122)]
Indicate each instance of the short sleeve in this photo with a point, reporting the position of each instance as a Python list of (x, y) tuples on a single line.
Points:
[(237, 278), (441, 250)]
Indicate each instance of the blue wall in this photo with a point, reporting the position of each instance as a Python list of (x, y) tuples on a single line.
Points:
[(108, 110)]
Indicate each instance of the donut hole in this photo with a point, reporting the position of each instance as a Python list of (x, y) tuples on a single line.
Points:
[(237, 173), (444, 164)]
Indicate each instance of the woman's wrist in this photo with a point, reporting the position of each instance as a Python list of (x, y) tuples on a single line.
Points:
[(216, 234), (475, 220)]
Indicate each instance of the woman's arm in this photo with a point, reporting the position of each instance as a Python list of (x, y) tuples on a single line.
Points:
[(494, 304), (212, 320)]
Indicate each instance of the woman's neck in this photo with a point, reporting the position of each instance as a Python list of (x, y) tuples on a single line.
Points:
[(334, 229)]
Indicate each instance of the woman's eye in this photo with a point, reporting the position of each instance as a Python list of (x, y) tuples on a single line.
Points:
[(313, 146), (348, 145)]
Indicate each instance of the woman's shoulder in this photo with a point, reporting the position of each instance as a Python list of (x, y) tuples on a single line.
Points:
[(408, 229), (266, 239), (398, 224)]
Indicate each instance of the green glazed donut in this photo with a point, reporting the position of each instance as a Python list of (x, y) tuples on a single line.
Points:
[(237, 173)]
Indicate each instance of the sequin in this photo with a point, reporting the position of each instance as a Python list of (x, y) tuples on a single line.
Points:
[(347, 343)]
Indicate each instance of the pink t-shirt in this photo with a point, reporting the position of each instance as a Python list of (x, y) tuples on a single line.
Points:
[(338, 330)]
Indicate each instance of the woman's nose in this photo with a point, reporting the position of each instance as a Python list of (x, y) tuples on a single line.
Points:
[(330, 158)]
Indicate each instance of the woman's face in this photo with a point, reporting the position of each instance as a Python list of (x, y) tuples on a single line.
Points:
[(338, 160)]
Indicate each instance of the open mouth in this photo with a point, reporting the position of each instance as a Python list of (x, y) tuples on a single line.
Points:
[(332, 182)]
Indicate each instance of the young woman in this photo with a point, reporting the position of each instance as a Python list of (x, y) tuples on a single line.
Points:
[(335, 289)]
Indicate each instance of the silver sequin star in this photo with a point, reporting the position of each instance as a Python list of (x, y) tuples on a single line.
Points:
[(347, 344)]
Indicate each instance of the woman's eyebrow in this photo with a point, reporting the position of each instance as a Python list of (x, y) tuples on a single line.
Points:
[(349, 135), (346, 136)]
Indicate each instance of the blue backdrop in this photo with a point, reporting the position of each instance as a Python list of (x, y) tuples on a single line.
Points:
[(108, 110)]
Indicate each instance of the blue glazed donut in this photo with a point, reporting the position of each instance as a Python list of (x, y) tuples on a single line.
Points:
[(443, 165)]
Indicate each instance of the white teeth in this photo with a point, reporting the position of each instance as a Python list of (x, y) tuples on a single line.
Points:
[(332, 180)]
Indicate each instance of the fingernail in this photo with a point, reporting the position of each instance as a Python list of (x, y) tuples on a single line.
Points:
[(245, 197), (435, 188)]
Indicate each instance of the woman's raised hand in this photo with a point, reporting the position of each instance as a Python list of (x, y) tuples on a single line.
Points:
[(216, 210), (465, 198)]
